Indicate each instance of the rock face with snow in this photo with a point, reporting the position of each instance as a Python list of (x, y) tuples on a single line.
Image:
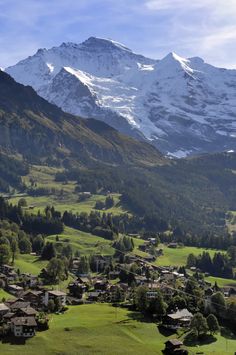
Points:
[(183, 106)]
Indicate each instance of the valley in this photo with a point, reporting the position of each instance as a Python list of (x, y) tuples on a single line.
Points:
[(107, 243)]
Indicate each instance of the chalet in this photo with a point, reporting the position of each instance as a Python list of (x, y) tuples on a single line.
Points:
[(34, 297), (173, 245), (152, 241), (177, 274), (151, 295), (18, 305), (55, 295), (15, 290), (8, 317), (30, 280), (84, 280), (94, 296), (150, 258), (167, 276), (76, 289), (141, 280), (101, 285), (228, 291), (3, 277), (24, 327), (113, 275), (6, 269), (75, 265), (181, 318), (174, 346), (86, 194), (3, 309), (26, 312)]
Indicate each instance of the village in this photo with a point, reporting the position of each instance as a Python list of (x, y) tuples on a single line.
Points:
[(116, 282)]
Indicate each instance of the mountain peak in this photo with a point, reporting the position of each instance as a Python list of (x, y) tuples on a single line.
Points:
[(104, 43), (173, 57), (173, 63)]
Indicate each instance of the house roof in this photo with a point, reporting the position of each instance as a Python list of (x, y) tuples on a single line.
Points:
[(30, 321), (3, 307), (20, 304), (183, 313), (9, 315), (32, 292), (29, 311), (174, 342), (57, 293)]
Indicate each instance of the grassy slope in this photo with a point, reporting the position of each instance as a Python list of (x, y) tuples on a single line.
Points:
[(45, 177), (220, 281), (179, 256), (175, 257), (32, 264), (86, 243), (112, 331), (4, 294), (29, 263)]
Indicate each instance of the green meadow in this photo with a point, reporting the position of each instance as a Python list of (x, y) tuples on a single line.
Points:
[(85, 243), (102, 329), (29, 263), (4, 294)]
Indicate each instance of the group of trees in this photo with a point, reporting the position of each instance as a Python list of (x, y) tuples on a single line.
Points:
[(108, 225), (123, 245), (221, 264), (201, 325), (108, 203), (202, 240), (154, 306), (57, 269), (11, 171)]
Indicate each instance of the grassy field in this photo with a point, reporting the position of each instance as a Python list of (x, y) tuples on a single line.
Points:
[(33, 265), (68, 202), (4, 294), (29, 263), (102, 329), (64, 197), (85, 243), (220, 281), (179, 256), (171, 256)]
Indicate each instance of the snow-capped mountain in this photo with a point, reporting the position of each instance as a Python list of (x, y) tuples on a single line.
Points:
[(183, 106)]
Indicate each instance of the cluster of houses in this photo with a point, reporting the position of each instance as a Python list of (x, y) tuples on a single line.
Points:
[(19, 315), (102, 288)]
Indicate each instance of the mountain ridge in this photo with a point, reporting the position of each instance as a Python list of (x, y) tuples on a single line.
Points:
[(36, 129), (181, 106)]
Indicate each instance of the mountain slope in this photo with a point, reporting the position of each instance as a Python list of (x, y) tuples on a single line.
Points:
[(182, 106), (160, 191), (36, 129)]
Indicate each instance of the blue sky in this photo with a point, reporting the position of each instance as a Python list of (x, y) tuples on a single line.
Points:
[(205, 28)]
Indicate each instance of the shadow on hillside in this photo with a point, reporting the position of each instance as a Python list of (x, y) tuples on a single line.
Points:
[(9, 339), (140, 317), (165, 331), (205, 339), (227, 333)]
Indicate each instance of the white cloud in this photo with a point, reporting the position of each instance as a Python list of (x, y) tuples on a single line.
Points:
[(188, 4)]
